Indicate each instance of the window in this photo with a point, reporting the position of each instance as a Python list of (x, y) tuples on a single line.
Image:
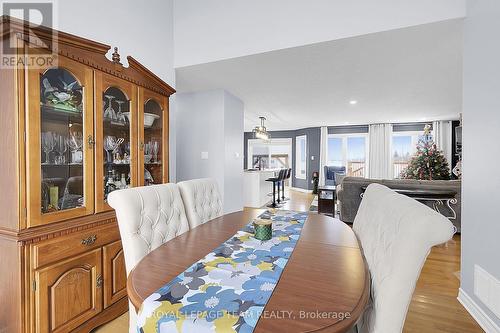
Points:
[(350, 151), (404, 146), (275, 154), (301, 157)]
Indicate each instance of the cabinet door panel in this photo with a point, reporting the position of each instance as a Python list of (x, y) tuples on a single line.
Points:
[(59, 159), (116, 136), (115, 276), (68, 293), (153, 138)]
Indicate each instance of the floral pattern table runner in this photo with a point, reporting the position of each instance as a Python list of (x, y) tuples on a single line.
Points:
[(228, 289)]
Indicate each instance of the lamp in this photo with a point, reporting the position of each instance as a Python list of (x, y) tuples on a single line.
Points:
[(260, 132)]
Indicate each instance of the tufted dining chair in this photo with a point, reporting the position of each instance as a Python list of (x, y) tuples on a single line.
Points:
[(396, 234), (147, 217), (201, 199)]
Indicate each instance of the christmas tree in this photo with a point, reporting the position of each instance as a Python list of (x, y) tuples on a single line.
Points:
[(428, 163)]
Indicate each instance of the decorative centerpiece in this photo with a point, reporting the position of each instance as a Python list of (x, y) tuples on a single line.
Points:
[(66, 97), (263, 229)]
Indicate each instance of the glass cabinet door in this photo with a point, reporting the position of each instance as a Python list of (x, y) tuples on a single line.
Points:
[(116, 137), (59, 142), (153, 138)]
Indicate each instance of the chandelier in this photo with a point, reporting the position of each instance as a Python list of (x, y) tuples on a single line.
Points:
[(260, 132)]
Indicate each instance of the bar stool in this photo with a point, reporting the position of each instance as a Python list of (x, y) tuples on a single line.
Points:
[(275, 180), (288, 173)]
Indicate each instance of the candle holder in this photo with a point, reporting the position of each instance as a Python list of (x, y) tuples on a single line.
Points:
[(263, 229)]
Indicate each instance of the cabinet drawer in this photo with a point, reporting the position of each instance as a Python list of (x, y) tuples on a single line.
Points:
[(65, 246)]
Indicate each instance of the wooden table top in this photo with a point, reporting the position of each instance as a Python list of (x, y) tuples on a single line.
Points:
[(324, 287)]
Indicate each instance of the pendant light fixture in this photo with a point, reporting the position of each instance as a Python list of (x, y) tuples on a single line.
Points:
[(260, 132)]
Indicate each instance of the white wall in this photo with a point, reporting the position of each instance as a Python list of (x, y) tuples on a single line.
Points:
[(233, 171), (207, 31), (481, 113), (144, 31), (212, 122)]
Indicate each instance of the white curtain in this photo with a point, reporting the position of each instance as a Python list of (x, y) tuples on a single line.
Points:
[(323, 154), (442, 137), (379, 165)]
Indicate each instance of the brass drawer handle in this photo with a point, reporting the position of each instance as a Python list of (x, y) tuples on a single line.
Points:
[(99, 281), (89, 240)]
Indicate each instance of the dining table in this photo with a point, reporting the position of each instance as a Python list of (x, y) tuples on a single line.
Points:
[(325, 286)]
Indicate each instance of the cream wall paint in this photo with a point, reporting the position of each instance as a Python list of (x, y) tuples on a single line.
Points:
[(207, 31)]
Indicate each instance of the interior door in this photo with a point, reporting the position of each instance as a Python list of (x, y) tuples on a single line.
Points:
[(116, 137), (68, 293), (59, 138)]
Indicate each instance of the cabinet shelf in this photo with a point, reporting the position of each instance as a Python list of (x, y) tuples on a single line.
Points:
[(54, 113), (45, 165)]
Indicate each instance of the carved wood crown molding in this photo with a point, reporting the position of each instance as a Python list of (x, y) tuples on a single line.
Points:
[(85, 51)]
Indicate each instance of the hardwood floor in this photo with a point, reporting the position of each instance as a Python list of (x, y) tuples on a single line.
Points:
[(434, 307)]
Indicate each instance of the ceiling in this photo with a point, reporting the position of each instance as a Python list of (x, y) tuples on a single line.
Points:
[(410, 74)]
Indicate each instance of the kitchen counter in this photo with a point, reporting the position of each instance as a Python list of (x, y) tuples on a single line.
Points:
[(256, 188)]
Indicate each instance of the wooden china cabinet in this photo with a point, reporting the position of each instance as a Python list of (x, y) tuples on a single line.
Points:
[(73, 129)]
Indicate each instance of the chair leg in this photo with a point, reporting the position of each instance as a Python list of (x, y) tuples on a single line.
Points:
[(279, 199), (273, 204), (283, 191)]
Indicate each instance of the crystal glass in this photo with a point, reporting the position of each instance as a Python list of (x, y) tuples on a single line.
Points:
[(109, 146), (75, 144), (155, 147), (61, 126), (110, 113), (116, 141), (48, 145), (61, 147), (120, 116)]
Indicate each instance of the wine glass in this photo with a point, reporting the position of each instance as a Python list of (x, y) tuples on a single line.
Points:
[(48, 144), (147, 152), (155, 147), (61, 147), (75, 144), (109, 146), (110, 112), (120, 116)]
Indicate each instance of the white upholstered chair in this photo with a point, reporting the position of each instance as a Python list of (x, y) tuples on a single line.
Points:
[(201, 199), (147, 218), (396, 234)]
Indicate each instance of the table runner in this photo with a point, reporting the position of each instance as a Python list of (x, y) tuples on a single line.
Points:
[(228, 289)]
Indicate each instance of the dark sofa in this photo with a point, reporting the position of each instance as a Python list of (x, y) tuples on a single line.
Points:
[(349, 194)]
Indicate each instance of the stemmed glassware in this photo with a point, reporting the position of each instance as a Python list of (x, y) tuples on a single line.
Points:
[(120, 116), (48, 145), (155, 148), (75, 144), (109, 146), (110, 113), (61, 147)]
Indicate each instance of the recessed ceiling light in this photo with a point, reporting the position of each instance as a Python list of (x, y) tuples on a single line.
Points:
[(353, 102)]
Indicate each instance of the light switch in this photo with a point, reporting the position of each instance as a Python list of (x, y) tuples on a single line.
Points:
[(204, 155), (312, 157)]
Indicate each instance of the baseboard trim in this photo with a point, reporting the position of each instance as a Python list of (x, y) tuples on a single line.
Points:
[(298, 189), (477, 313)]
